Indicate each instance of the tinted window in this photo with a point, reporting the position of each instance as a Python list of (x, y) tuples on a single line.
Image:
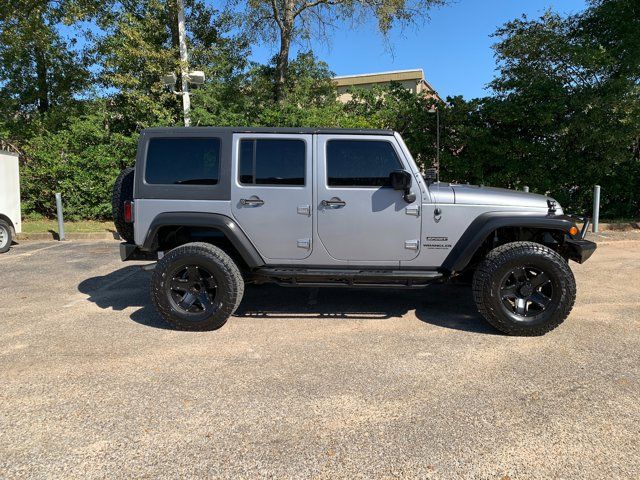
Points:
[(360, 163), (272, 162), (183, 161)]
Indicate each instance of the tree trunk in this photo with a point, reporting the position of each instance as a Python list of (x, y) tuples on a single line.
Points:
[(282, 62), (42, 80)]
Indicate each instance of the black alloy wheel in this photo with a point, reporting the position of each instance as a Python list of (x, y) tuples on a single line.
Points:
[(193, 289), (196, 286), (526, 292), (524, 288)]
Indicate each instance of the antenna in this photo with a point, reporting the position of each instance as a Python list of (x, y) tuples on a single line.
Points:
[(437, 211)]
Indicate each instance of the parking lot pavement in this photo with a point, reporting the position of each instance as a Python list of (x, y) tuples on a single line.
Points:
[(310, 383)]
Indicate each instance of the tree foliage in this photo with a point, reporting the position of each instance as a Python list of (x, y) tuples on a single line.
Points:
[(287, 21)]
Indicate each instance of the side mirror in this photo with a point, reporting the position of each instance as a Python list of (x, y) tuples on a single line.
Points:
[(431, 175), (400, 180)]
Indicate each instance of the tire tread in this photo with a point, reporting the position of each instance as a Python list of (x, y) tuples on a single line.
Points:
[(484, 276), (230, 270)]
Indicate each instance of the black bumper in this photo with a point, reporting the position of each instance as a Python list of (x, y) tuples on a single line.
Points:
[(579, 250), (130, 251)]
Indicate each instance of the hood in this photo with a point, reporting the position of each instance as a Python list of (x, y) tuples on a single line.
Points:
[(475, 195)]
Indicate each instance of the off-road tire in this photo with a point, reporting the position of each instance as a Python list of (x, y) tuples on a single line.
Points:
[(489, 277), (123, 192), (6, 236), (230, 286)]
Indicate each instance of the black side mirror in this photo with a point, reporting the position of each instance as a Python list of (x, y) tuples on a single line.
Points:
[(400, 180), (431, 175)]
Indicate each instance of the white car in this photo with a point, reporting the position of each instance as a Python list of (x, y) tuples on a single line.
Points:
[(10, 223)]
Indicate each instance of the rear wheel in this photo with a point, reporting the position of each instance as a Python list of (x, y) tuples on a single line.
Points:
[(123, 192), (524, 288), (196, 286), (6, 236)]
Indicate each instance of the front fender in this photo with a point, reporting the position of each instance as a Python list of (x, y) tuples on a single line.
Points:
[(487, 223)]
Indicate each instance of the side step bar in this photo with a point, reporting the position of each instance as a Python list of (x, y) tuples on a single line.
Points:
[(329, 277)]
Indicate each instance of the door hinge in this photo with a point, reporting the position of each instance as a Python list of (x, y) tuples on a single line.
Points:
[(413, 210), (304, 210), (304, 243), (411, 244)]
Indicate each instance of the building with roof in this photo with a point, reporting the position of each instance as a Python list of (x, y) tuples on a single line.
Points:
[(412, 80)]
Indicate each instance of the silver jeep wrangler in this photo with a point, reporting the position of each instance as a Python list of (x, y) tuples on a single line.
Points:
[(222, 207)]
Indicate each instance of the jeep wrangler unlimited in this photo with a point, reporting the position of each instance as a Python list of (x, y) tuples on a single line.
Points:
[(222, 207)]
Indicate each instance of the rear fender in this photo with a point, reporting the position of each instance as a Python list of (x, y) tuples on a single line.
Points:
[(226, 225)]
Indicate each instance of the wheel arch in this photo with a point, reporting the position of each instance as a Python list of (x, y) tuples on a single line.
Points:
[(8, 220), (488, 224), (173, 222)]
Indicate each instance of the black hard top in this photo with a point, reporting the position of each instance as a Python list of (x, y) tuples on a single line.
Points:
[(228, 130)]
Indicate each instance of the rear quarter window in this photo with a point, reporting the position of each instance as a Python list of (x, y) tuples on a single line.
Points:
[(183, 161)]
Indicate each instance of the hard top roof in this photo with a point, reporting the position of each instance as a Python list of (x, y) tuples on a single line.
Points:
[(302, 130)]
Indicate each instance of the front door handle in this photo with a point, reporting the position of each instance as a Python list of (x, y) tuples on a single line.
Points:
[(251, 202), (335, 202)]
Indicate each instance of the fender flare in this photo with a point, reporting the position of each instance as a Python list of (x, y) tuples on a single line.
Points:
[(487, 223), (226, 225)]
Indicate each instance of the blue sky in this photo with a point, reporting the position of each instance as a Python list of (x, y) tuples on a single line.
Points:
[(453, 49)]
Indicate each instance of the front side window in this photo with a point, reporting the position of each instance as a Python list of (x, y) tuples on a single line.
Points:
[(183, 161), (360, 163), (272, 162)]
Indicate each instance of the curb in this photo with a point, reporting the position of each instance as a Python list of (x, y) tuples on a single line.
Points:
[(69, 236)]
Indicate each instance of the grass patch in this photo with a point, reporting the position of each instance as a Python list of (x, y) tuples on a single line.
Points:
[(86, 226)]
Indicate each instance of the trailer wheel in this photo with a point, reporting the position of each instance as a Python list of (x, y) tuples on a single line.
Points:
[(6, 236)]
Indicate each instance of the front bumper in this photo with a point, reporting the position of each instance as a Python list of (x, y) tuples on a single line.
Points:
[(130, 251), (579, 250)]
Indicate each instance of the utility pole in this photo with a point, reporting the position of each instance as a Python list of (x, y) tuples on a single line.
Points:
[(184, 67)]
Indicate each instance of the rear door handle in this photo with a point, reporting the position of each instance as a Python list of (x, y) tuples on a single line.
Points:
[(335, 202), (251, 202)]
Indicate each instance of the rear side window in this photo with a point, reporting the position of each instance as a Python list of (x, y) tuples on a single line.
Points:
[(360, 163), (272, 162), (183, 161)]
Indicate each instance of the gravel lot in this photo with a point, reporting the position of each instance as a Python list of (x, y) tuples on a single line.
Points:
[(311, 383)]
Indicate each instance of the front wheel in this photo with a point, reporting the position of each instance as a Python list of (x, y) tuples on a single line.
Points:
[(524, 288), (196, 286)]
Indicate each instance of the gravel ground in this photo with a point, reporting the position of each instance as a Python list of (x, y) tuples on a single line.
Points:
[(310, 383)]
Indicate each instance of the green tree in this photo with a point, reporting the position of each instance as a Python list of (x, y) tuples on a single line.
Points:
[(567, 106), (81, 161), (287, 21), (40, 66), (141, 44)]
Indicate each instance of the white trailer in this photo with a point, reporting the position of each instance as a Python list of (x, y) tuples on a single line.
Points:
[(10, 222)]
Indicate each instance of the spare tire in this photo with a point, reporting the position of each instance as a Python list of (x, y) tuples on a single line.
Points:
[(123, 192)]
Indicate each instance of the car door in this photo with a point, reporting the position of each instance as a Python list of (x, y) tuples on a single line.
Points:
[(359, 216), (271, 193)]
